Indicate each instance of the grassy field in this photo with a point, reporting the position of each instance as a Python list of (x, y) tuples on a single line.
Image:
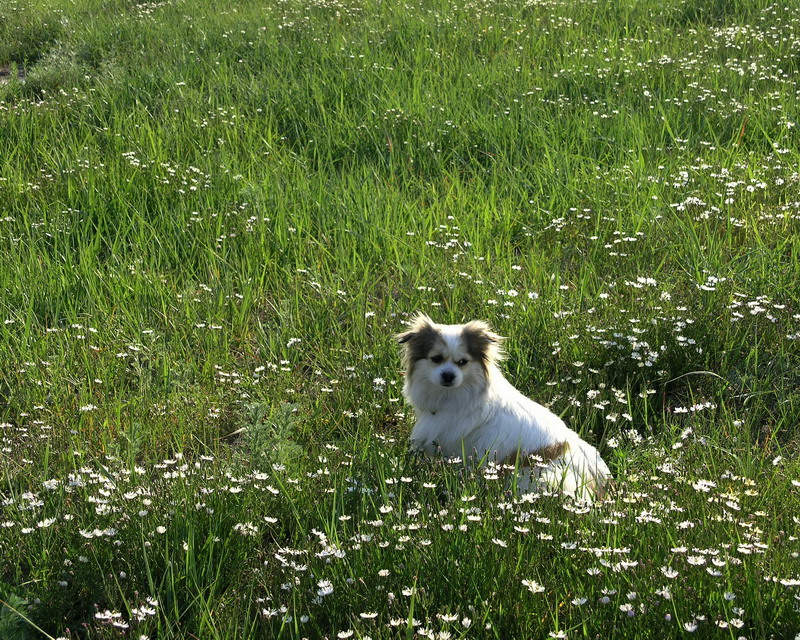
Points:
[(215, 215)]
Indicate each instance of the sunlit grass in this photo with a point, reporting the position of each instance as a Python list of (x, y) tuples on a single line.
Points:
[(213, 218)]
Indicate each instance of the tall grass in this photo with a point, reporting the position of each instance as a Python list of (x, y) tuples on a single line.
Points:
[(214, 217)]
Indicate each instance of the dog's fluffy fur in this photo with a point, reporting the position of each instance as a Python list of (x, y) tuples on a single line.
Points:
[(466, 407)]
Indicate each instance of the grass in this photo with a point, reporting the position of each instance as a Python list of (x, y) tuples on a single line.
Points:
[(214, 218)]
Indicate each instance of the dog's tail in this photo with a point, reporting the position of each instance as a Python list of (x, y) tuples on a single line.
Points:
[(580, 472)]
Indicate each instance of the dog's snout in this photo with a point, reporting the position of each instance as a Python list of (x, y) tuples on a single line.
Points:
[(448, 377)]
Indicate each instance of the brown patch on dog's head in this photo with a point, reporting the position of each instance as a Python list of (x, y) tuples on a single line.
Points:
[(418, 340), (483, 344)]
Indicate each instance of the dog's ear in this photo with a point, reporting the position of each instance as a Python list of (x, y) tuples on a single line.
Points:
[(419, 324), (483, 344), (418, 340)]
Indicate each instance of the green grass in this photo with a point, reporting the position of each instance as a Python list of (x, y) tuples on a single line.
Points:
[(214, 217)]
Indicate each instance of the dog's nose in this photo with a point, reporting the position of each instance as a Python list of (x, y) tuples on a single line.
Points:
[(447, 378)]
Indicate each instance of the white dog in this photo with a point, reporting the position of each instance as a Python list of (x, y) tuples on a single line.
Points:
[(466, 408)]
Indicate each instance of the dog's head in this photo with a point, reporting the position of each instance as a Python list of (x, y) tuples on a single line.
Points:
[(448, 355)]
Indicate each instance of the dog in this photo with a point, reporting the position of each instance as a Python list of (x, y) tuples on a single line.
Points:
[(466, 408)]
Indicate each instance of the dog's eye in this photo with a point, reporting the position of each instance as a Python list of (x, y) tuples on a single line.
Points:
[(462, 362), (437, 359)]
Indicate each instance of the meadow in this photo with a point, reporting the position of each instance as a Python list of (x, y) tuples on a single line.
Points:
[(215, 216)]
